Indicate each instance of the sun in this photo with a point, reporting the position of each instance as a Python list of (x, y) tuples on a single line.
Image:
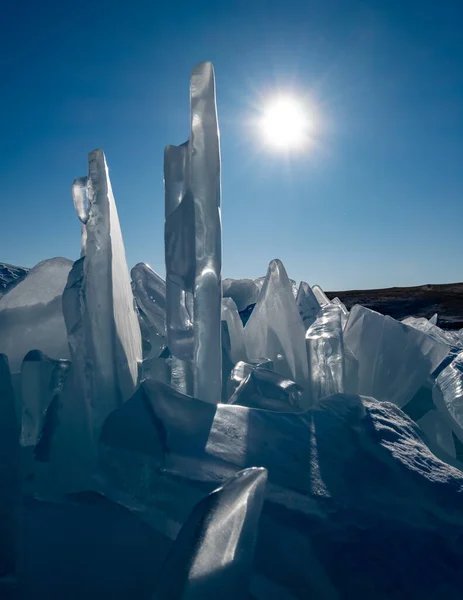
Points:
[(286, 124)]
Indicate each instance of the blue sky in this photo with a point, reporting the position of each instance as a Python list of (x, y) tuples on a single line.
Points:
[(378, 201)]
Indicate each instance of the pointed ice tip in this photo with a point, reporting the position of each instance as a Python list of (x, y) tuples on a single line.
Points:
[(205, 68)]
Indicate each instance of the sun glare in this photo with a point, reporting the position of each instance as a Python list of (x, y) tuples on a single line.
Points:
[(286, 124)]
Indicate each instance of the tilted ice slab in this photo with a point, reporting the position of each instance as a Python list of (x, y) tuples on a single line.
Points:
[(320, 295), (325, 353), (390, 361), (439, 434), (275, 329), (307, 304), (244, 292), (422, 324), (263, 388), (149, 290), (212, 556), (31, 315), (98, 305)]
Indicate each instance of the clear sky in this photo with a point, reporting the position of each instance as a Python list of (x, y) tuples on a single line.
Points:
[(378, 199)]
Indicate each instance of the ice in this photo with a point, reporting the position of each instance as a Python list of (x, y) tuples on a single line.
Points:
[(325, 353), (235, 330), (31, 315), (9, 469), (320, 295), (259, 282), (439, 434), (244, 292), (450, 385), (275, 329), (263, 388), (149, 290), (422, 324), (307, 304), (42, 380), (204, 186), (179, 237), (193, 240), (213, 554), (98, 305), (433, 319), (391, 361)]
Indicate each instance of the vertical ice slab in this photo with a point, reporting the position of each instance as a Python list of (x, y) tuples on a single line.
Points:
[(31, 314), (213, 554), (9, 469), (307, 304), (204, 185), (98, 305), (149, 290), (448, 394), (275, 329), (391, 361), (325, 353), (179, 240)]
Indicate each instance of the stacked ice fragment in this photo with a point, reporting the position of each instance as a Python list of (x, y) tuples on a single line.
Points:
[(86, 348)]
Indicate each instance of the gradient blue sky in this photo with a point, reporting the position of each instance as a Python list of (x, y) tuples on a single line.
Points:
[(377, 202)]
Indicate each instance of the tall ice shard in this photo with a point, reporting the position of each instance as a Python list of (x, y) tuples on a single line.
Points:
[(98, 305), (307, 304), (204, 185), (275, 329), (193, 241)]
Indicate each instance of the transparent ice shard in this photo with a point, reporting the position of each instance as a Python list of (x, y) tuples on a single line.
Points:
[(439, 433), (275, 329), (98, 305), (422, 324), (391, 361), (325, 353), (344, 312), (213, 554), (31, 314), (450, 399), (320, 295), (259, 282), (307, 304), (235, 330), (42, 379), (204, 186), (149, 290), (81, 205), (263, 388), (244, 292), (433, 319), (179, 253)]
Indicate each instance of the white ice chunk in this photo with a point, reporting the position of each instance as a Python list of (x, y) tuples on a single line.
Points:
[(213, 554), (98, 304), (320, 295), (244, 292), (31, 315), (275, 329), (391, 361), (325, 353), (307, 304)]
